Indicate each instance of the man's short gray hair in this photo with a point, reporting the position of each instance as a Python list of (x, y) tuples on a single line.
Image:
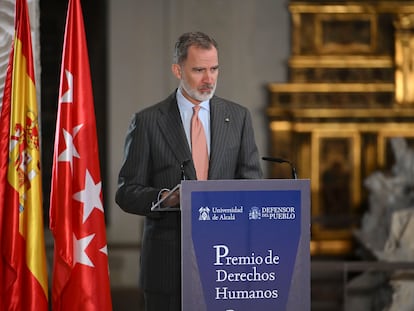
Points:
[(198, 39)]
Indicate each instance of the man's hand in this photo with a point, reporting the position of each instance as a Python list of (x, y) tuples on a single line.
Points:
[(173, 200)]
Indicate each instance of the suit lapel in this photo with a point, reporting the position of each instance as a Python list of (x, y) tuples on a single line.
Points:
[(172, 128), (220, 121)]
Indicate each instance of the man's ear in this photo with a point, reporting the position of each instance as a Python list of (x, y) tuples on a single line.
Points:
[(176, 70)]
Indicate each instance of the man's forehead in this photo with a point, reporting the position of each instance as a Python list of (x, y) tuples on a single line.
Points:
[(203, 57)]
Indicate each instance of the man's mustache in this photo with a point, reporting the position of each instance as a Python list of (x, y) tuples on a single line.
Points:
[(207, 86)]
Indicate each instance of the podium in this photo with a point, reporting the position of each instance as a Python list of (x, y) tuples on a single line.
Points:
[(245, 245)]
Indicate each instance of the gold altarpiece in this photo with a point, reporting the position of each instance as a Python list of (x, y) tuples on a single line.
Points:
[(350, 89)]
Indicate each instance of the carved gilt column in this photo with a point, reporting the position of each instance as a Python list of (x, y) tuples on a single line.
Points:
[(404, 58)]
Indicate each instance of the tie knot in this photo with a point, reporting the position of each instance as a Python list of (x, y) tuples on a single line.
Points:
[(196, 109)]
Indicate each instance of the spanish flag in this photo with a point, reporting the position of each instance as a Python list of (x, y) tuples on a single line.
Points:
[(23, 276)]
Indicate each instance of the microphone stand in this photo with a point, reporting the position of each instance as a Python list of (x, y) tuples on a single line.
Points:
[(280, 160)]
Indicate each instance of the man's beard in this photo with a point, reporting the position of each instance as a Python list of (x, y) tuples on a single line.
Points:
[(196, 94)]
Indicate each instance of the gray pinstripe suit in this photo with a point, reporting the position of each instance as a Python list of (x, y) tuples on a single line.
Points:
[(155, 148)]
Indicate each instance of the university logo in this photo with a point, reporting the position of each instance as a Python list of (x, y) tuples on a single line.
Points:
[(204, 213)]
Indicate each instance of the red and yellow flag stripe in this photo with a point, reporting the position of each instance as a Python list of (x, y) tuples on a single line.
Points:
[(24, 275)]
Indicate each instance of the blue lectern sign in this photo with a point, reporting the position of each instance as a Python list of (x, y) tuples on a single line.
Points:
[(245, 245)]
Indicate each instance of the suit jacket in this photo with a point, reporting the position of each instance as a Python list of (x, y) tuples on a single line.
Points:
[(155, 149)]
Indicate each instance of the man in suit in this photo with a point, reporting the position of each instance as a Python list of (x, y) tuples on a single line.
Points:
[(158, 153)]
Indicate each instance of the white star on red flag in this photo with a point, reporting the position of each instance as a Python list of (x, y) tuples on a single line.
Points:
[(68, 96), (104, 250), (70, 152), (79, 250), (90, 196)]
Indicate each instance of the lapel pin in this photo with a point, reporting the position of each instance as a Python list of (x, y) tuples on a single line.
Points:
[(227, 120)]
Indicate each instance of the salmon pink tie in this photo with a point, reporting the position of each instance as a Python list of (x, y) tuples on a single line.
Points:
[(199, 146)]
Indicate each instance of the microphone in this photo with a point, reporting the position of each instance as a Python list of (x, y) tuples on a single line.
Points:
[(182, 167), (280, 160)]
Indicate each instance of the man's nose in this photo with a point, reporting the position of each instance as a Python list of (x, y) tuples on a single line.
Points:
[(208, 77)]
